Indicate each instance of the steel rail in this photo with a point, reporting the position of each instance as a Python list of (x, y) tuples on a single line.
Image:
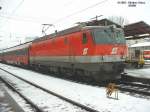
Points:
[(35, 107), (55, 94), (136, 84), (135, 88)]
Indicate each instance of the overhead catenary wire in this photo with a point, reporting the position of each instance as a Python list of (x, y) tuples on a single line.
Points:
[(20, 19), (17, 7), (14, 10), (80, 11), (59, 20), (15, 18)]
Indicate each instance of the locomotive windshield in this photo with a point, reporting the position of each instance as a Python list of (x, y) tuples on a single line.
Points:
[(106, 36)]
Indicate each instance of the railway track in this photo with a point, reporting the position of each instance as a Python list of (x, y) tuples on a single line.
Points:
[(84, 107), (33, 105), (143, 89)]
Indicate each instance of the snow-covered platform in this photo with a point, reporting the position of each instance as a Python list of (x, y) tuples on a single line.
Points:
[(139, 73), (7, 103)]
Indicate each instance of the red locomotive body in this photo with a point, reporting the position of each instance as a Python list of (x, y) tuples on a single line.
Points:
[(93, 51)]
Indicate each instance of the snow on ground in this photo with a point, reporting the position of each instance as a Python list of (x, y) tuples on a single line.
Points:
[(141, 73), (24, 106), (4, 106), (45, 101), (94, 97)]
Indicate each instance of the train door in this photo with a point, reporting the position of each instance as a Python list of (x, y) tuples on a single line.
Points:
[(78, 47), (84, 44), (71, 50)]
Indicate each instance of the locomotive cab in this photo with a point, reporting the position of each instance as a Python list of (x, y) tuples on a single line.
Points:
[(109, 52), (108, 36), (110, 44)]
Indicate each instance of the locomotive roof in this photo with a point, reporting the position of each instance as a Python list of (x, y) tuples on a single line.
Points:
[(20, 46), (60, 33), (63, 32), (70, 30), (136, 30)]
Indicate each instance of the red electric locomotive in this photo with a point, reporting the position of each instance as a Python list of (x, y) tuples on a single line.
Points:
[(96, 52), (93, 52)]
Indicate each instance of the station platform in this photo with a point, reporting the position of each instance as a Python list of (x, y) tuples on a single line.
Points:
[(7, 103), (138, 75)]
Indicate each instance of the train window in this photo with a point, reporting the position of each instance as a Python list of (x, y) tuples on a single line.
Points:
[(65, 40), (119, 37), (84, 38), (103, 36), (107, 36)]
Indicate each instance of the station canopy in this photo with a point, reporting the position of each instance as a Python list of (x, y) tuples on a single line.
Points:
[(137, 30), (132, 31)]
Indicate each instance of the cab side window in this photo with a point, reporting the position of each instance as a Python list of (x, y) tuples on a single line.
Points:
[(65, 40), (84, 38)]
